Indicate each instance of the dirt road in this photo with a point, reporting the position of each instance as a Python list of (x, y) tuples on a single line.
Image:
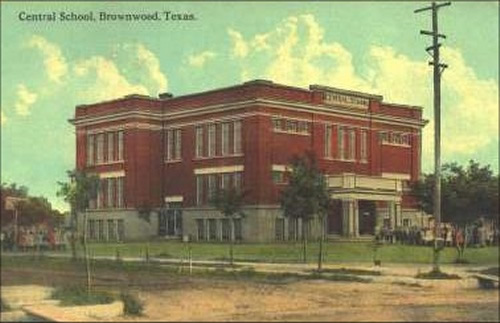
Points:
[(384, 299)]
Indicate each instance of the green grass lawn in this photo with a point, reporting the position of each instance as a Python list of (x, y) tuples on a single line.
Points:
[(292, 252)]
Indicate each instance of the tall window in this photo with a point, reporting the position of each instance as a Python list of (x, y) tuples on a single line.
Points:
[(110, 188), (328, 141), (120, 200), (100, 148), (226, 180), (90, 149), (363, 145), (100, 230), (199, 141), (111, 146), (352, 144), (200, 224), (225, 139), (237, 137), (212, 185), (120, 145), (211, 139), (111, 230), (199, 190), (178, 143), (340, 142), (237, 181), (170, 144), (121, 230)]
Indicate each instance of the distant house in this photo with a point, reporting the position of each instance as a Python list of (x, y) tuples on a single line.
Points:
[(160, 159)]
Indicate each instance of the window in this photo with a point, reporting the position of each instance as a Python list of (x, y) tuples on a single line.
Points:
[(120, 200), (363, 145), (211, 140), (200, 224), (110, 191), (111, 230), (212, 185), (225, 139), (199, 190), (99, 197), (277, 124), (91, 229), (303, 127), (383, 136), (111, 146), (100, 230), (170, 144), (340, 142), (280, 229), (226, 229), (121, 230), (278, 177), (178, 143), (292, 126), (237, 137), (199, 141), (328, 141), (120, 145), (238, 234), (90, 149), (293, 229), (237, 181), (352, 144), (100, 148), (226, 181), (212, 229), (406, 222)]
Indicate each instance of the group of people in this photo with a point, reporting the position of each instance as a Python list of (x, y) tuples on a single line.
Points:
[(451, 235), (34, 239)]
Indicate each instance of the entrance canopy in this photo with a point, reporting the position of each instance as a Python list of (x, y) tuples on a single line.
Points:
[(362, 187)]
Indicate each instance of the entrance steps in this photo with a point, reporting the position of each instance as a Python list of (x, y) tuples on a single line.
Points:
[(340, 238)]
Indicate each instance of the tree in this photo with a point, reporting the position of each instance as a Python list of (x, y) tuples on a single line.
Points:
[(306, 197), (467, 193), (229, 201), (81, 189)]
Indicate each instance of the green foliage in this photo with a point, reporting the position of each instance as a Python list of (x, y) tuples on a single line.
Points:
[(306, 195), (82, 188), (71, 295), (31, 209), (229, 201), (4, 307), (436, 274), (466, 193), (132, 305)]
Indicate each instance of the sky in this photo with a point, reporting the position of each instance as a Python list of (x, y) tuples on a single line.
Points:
[(47, 68)]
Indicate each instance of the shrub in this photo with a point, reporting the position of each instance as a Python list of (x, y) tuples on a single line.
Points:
[(4, 307), (77, 295), (437, 275), (131, 304)]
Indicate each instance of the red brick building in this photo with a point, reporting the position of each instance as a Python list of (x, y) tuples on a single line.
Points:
[(160, 158)]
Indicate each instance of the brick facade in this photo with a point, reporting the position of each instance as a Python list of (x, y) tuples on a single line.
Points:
[(176, 149)]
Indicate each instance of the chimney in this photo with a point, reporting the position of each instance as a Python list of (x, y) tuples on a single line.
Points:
[(165, 95)]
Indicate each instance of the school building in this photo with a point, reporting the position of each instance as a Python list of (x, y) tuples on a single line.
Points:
[(160, 159)]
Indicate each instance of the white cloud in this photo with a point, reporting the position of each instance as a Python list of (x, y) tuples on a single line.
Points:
[(296, 53), (25, 99), (3, 118), (133, 68), (240, 47), (104, 80), (152, 65), (200, 59), (54, 62)]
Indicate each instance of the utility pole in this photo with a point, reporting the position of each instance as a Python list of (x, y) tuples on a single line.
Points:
[(438, 69)]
